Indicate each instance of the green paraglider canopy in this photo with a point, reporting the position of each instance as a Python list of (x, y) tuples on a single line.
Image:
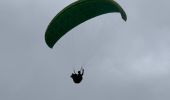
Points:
[(77, 13)]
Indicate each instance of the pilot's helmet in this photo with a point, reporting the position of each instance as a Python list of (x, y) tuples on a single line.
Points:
[(79, 72)]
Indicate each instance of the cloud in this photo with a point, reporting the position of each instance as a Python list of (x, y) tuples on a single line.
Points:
[(122, 60)]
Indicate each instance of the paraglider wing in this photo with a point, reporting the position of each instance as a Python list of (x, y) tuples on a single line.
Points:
[(77, 13)]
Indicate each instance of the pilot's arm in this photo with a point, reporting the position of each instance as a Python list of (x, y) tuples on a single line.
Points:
[(82, 71), (74, 72)]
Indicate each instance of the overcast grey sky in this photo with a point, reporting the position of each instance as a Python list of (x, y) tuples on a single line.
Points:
[(122, 60)]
